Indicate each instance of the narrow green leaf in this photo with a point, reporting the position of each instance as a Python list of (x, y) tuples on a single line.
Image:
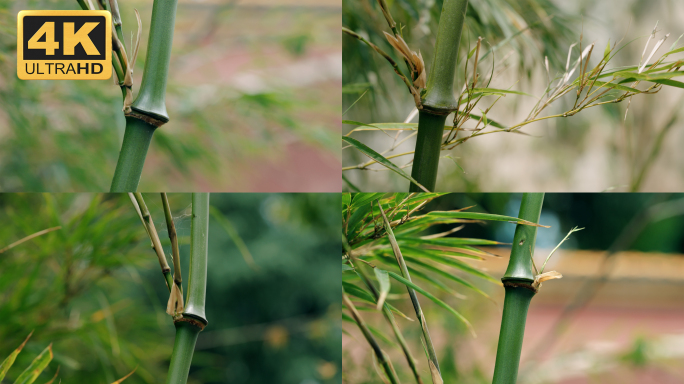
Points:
[(364, 295), (671, 83), (432, 298), (384, 281), (381, 160), (496, 90), (453, 262), (346, 199), (482, 216), (361, 199), (447, 275), (352, 122), (7, 363), (36, 368), (447, 241), (350, 184), (615, 86)]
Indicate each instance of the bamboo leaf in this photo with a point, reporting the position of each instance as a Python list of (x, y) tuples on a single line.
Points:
[(453, 262), (383, 279), (436, 377), (361, 199), (616, 86), (671, 83), (432, 298), (482, 216), (352, 122), (346, 199), (447, 275), (7, 363), (364, 295), (447, 241), (497, 91), (380, 159), (36, 368)]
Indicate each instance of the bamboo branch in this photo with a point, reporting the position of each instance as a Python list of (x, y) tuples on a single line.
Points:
[(432, 355), (379, 353), (148, 223), (390, 319), (29, 237), (177, 277)]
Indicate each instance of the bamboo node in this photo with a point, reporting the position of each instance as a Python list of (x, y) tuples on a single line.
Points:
[(146, 118), (520, 284), (190, 320)]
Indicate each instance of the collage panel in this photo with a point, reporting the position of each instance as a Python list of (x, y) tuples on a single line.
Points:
[(512, 96), (502, 288), (82, 299), (217, 96)]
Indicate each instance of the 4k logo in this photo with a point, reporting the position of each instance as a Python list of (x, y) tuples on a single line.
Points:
[(64, 45)]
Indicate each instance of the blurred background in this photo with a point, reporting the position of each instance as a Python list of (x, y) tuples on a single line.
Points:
[(616, 316), (253, 96), (94, 289), (595, 150)]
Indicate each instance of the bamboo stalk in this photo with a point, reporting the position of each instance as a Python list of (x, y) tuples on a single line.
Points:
[(193, 320), (148, 111), (439, 100), (518, 283)]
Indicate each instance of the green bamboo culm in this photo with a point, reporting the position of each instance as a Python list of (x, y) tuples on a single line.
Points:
[(148, 111), (439, 100), (518, 283), (194, 319)]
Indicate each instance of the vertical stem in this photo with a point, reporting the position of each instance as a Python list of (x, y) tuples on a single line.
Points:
[(199, 237), (151, 99), (183, 349), (129, 167), (428, 149), (439, 100), (148, 111), (193, 320), (517, 282), (439, 93)]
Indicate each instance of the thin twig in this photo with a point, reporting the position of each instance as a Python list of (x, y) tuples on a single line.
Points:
[(146, 218), (171, 227), (379, 353), (29, 237)]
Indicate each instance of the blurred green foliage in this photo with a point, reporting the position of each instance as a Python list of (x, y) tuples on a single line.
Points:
[(66, 135), (94, 289)]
